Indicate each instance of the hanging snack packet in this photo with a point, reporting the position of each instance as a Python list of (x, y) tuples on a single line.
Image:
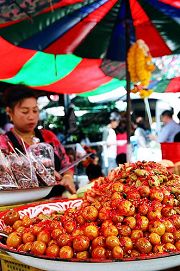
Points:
[(42, 156), (7, 180), (23, 171)]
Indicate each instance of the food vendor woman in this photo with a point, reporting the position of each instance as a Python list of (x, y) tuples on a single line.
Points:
[(22, 108)]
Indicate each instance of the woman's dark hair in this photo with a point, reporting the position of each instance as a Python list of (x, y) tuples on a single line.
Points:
[(17, 93)]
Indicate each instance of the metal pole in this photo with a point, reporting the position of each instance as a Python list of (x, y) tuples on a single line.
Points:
[(128, 82), (67, 102), (148, 110)]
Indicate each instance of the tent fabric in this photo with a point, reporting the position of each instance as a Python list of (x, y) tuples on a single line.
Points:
[(174, 85), (13, 12), (143, 25), (59, 74), (66, 73), (13, 58), (95, 41), (71, 39), (61, 46), (169, 85), (173, 3)]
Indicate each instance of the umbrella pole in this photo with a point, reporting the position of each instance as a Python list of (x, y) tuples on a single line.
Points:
[(128, 82), (67, 102), (148, 110)]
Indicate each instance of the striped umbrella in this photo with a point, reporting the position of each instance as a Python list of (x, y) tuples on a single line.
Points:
[(78, 38), (59, 74)]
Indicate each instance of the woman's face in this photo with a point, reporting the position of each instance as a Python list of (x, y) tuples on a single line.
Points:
[(25, 115)]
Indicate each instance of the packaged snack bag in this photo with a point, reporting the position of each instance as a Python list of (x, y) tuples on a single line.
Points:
[(42, 156), (23, 171), (7, 180)]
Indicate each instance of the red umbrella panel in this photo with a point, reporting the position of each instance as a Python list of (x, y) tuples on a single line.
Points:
[(91, 28), (70, 74), (87, 32), (60, 74)]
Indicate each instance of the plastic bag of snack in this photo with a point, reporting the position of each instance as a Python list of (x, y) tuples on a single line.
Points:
[(23, 171), (7, 180), (42, 156)]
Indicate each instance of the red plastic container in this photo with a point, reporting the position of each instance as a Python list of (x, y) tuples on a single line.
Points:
[(171, 151)]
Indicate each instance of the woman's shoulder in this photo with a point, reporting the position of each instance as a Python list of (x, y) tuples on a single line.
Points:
[(49, 136), (47, 132), (3, 137), (4, 141)]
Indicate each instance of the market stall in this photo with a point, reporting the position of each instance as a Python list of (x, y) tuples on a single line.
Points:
[(127, 220)]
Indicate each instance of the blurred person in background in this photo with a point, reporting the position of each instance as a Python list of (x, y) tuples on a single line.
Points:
[(2, 131), (83, 139), (22, 108), (121, 159), (170, 127), (121, 136), (8, 126), (4, 122), (177, 136), (178, 115), (71, 152), (93, 172), (110, 143), (141, 133)]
